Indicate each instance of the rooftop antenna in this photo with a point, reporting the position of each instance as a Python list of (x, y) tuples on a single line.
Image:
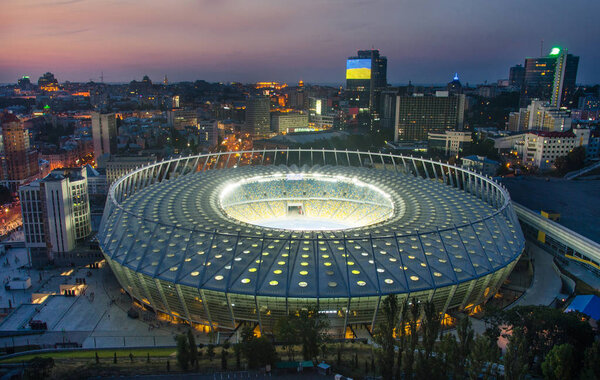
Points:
[(101, 76), (542, 48)]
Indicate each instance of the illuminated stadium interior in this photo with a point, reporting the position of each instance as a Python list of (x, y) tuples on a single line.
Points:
[(306, 202)]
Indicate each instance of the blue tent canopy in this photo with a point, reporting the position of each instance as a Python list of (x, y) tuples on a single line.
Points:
[(588, 305)]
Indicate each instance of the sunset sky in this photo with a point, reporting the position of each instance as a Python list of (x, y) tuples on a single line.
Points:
[(425, 41)]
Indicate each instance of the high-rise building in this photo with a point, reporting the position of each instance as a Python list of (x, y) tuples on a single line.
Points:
[(418, 115), (47, 79), (539, 116), (18, 160), (258, 117), (516, 76), (56, 214), (181, 118), (553, 74), (104, 134), (366, 76)]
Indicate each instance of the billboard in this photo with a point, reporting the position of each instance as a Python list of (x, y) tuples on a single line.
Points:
[(358, 69)]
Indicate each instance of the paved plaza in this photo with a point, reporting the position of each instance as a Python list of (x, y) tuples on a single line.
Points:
[(97, 318), (577, 201)]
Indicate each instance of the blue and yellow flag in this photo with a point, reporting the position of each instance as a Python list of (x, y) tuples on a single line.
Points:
[(358, 69)]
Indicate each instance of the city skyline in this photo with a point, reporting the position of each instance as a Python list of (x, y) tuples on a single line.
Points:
[(426, 42)]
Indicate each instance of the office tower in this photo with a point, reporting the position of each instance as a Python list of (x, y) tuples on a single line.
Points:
[(366, 76), (418, 115), (208, 132), (47, 79), (542, 74), (516, 76), (104, 134), (181, 118), (454, 87), (24, 82), (18, 161), (565, 74), (258, 118), (388, 108), (56, 214)]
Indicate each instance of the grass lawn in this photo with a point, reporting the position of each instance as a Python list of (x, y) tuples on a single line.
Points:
[(77, 364), (91, 354)]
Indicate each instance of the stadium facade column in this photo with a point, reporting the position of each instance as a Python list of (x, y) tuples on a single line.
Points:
[(183, 303), (206, 309)]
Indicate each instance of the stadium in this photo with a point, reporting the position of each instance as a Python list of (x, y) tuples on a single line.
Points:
[(231, 238)]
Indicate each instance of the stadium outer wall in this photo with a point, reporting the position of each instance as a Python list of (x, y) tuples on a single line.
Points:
[(226, 310)]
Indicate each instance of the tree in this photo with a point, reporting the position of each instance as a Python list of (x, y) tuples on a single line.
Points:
[(224, 355), (483, 356), (448, 350), (210, 352), (384, 335), (545, 327), (237, 350), (516, 363), (310, 325), (559, 363), (39, 368), (465, 340), (193, 348), (258, 352), (183, 352), (286, 333), (115, 358), (403, 318), (574, 160), (430, 327), (409, 362), (591, 362)]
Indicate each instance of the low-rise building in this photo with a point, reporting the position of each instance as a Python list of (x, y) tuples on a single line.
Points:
[(117, 166), (449, 143), (541, 148), (481, 164), (288, 122)]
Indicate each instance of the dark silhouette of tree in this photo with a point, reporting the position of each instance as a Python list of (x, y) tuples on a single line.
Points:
[(484, 354), (224, 355), (591, 366), (516, 363), (384, 335), (465, 340), (559, 363), (210, 352), (193, 349), (409, 360), (401, 333), (183, 352), (285, 333), (574, 160)]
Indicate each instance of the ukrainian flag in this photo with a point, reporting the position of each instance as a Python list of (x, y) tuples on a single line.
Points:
[(358, 69)]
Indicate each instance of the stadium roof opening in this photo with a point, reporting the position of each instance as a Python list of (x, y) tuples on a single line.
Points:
[(306, 202)]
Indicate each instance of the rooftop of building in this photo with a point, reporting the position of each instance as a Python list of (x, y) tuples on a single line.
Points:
[(482, 159), (568, 133), (72, 174), (7, 117)]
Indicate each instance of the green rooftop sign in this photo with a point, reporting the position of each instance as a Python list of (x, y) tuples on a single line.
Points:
[(555, 51)]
